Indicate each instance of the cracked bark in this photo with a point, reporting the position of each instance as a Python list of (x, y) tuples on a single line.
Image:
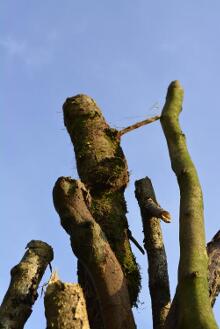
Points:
[(90, 246), (25, 278), (153, 243)]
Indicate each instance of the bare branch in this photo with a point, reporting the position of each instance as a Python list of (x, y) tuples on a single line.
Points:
[(138, 125), (135, 242), (192, 297)]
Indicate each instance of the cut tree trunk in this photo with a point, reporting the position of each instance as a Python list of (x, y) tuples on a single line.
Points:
[(102, 167), (153, 243), (25, 278), (65, 305)]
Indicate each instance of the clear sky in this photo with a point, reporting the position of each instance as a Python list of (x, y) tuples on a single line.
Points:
[(123, 54)]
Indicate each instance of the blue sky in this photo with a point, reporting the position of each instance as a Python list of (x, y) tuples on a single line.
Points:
[(123, 54)]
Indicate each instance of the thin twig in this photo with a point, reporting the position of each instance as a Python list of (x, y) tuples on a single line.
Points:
[(138, 125), (135, 242)]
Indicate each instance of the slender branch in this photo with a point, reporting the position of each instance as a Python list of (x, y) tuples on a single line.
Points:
[(157, 261), (135, 242), (94, 252), (213, 250), (192, 297), (65, 306), (138, 125), (25, 278)]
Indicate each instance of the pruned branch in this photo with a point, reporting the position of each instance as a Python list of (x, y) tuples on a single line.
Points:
[(192, 298), (25, 278), (153, 243), (213, 250), (93, 251), (65, 305), (155, 210), (137, 125)]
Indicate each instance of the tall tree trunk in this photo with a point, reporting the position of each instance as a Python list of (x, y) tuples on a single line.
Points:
[(192, 303)]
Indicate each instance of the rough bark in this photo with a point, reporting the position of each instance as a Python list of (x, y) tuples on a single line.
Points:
[(213, 250), (94, 252), (157, 261), (65, 306), (25, 278), (102, 167), (192, 304)]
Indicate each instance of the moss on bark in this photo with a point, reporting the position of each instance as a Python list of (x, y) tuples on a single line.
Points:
[(102, 167)]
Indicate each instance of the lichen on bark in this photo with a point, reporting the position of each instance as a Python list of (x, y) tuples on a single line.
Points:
[(65, 306), (25, 278), (102, 167)]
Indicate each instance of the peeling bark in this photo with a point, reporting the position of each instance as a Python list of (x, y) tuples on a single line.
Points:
[(93, 251), (192, 304), (102, 167), (65, 306), (157, 261), (25, 278)]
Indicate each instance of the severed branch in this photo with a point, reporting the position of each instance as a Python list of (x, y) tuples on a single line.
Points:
[(137, 125), (25, 278), (155, 210), (94, 252), (153, 243), (65, 306), (213, 250)]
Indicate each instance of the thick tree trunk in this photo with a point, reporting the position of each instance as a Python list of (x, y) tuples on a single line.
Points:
[(192, 303), (25, 278), (153, 243), (102, 167), (92, 249), (65, 305)]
